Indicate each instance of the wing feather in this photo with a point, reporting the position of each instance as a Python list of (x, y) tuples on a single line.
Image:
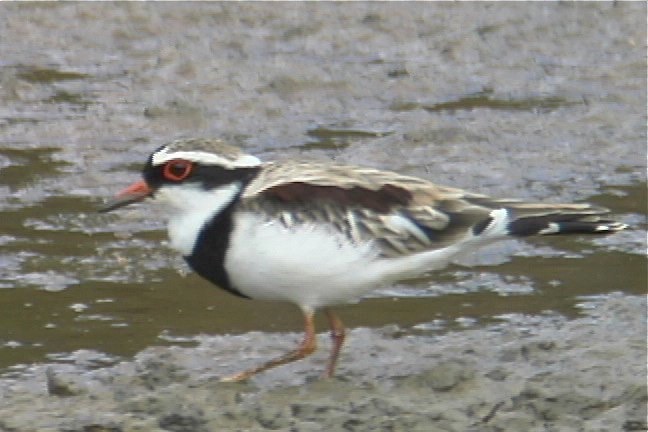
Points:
[(402, 215)]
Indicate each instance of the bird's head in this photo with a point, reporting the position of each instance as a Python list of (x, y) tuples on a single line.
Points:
[(184, 172)]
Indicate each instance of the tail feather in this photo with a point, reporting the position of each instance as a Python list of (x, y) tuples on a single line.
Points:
[(562, 223), (521, 219)]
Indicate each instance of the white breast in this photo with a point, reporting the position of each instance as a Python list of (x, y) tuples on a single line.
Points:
[(311, 265)]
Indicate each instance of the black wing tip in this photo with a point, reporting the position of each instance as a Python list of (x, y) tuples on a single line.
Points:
[(545, 226)]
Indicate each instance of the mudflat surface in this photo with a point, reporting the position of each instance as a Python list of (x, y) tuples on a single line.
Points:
[(541, 101), (528, 374)]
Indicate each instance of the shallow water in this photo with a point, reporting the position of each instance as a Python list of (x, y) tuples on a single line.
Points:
[(90, 90)]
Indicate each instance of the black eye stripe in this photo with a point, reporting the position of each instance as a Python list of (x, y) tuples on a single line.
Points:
[(175, 171)]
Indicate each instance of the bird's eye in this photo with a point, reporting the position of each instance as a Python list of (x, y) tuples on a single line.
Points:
[(177, 169)]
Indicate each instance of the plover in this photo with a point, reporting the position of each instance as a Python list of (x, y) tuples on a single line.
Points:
[(319, 234)]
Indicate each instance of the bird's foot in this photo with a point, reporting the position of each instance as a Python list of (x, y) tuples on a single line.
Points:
[(241, 376)]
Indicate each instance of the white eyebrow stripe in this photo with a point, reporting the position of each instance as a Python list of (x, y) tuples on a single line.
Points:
[(205, 158)]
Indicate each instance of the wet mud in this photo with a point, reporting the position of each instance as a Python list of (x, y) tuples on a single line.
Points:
[(104, 328)]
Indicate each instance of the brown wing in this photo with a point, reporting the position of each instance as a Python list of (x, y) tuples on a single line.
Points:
[(400, 214)]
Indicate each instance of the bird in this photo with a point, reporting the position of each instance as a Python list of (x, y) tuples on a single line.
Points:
[(319, 234)]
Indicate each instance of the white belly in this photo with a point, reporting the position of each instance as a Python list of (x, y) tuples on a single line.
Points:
[(311, 266)]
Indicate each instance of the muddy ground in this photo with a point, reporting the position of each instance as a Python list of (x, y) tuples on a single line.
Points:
[(528, 374), (541, 101)]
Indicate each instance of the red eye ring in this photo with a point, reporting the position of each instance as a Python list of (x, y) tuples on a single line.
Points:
[(177, 169)]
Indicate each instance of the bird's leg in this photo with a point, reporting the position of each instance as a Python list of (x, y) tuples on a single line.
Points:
[(305, 348), (337, 336)]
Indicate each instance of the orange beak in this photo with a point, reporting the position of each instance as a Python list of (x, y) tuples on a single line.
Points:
[(133, 193)]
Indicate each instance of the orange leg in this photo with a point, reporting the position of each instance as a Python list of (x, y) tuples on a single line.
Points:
[(307, 347), (337, 335)]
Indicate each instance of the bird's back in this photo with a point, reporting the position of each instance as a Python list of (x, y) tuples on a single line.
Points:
[(404, 215)]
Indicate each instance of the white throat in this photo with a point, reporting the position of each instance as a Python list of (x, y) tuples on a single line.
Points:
[(192, 208)]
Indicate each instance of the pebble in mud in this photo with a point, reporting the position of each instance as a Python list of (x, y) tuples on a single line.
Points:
[(59, 384), (442, 377)]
